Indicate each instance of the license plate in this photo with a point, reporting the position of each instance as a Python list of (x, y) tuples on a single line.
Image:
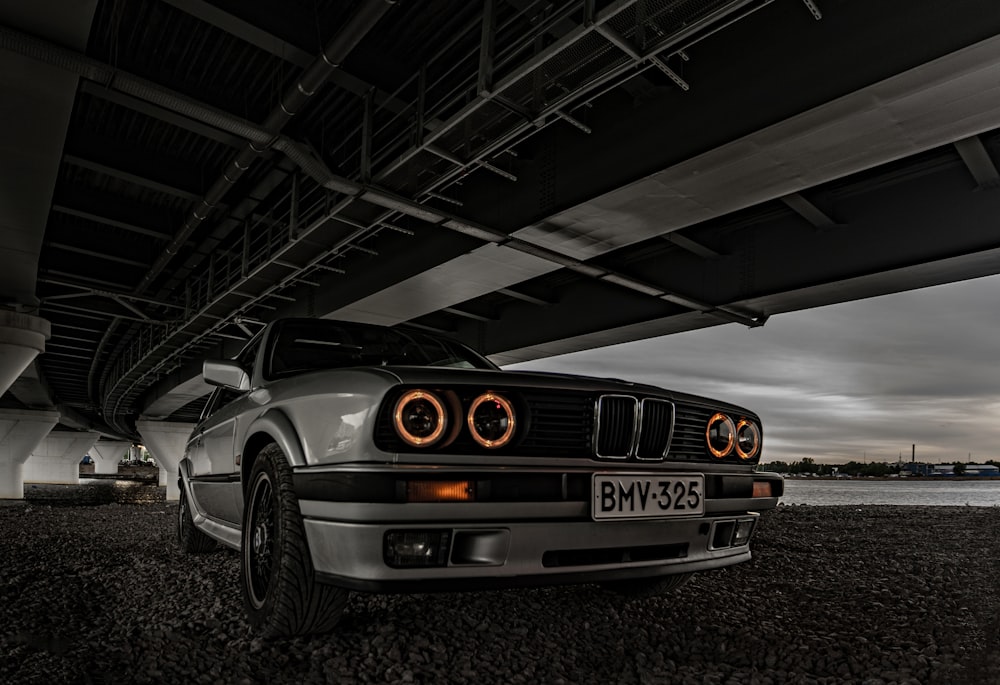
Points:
[(648, 495)]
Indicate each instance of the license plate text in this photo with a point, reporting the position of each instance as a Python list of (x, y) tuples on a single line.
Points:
[(648, 495)]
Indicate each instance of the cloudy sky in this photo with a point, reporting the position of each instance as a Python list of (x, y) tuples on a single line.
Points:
[(853, 381)]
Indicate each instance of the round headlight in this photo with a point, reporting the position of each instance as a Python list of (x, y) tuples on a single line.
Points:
[(720, 435), (491, 420), (420, 418), (747, 439)]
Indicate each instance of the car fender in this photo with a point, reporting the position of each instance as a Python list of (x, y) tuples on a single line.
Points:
[(184, 483), (183, 471), (271, 426)]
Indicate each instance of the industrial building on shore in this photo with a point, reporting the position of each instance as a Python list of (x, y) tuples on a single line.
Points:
[(951, 470)]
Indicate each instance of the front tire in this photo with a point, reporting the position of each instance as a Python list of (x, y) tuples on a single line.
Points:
[(280, 594), (190, 539)]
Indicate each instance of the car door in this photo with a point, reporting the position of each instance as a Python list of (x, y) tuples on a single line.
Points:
[(215, 473), (211, 453)]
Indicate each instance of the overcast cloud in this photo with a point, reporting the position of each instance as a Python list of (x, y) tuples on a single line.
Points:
[(846, 382)]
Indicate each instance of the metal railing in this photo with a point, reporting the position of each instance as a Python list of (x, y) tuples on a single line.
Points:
[(465, 108)]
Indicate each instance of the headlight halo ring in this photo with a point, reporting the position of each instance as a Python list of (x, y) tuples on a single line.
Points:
[(511, 420), (720, 451), (743, 454), (440, 423)]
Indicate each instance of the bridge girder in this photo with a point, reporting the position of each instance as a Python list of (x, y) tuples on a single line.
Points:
[(532, 180)]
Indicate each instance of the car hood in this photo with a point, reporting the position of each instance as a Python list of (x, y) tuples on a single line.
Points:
[(409, 375)]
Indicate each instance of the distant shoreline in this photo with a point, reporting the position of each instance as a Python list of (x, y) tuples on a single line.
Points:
[(904, 478)]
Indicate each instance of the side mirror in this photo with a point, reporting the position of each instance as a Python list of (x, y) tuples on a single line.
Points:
[(228, 374)]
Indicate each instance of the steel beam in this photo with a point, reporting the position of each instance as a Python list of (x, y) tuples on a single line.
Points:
[(808, 211), (671, 74), (517, 295), (278, 47), (813, 9), (244, 30), (90, 290), (161, 113), (487, 47), (98, 255), (466, 315), (691, 246), (979, 162), (79, 213), (79, 280), (97, 314), (129, 177)]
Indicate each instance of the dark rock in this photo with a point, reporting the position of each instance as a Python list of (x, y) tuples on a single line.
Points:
[(833, 594)]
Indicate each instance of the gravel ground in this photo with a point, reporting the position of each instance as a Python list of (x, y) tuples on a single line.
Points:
[(101, 594)]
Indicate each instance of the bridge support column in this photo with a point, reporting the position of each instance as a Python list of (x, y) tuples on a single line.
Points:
[(57, 457), (107, 454), (20, 433), (22, 337), (166, 441)]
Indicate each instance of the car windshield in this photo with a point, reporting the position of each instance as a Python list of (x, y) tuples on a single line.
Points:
[(309, 345)]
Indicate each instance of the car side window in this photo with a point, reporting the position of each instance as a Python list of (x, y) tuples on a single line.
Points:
[(248, 356), (220, 398), (228, 395)]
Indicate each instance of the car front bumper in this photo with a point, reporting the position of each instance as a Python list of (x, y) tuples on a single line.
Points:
[(504, 544)]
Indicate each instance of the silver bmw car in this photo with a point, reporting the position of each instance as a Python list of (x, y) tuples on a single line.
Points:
[(339, 456)]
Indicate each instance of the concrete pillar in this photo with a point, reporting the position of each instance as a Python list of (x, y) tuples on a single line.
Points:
[(107, 454), (57, 457), (166, 441), (20, 433), (22, 337)]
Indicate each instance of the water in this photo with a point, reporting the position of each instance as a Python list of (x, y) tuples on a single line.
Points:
[(921, 492)]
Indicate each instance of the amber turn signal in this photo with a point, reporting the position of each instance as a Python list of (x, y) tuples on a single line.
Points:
[(440, 491), (762, 488)]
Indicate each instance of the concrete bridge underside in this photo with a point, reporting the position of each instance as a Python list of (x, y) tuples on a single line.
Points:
[(532, 178)]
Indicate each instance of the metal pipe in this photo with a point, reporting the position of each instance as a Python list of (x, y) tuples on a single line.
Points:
[(293, 101), (260, 137)]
